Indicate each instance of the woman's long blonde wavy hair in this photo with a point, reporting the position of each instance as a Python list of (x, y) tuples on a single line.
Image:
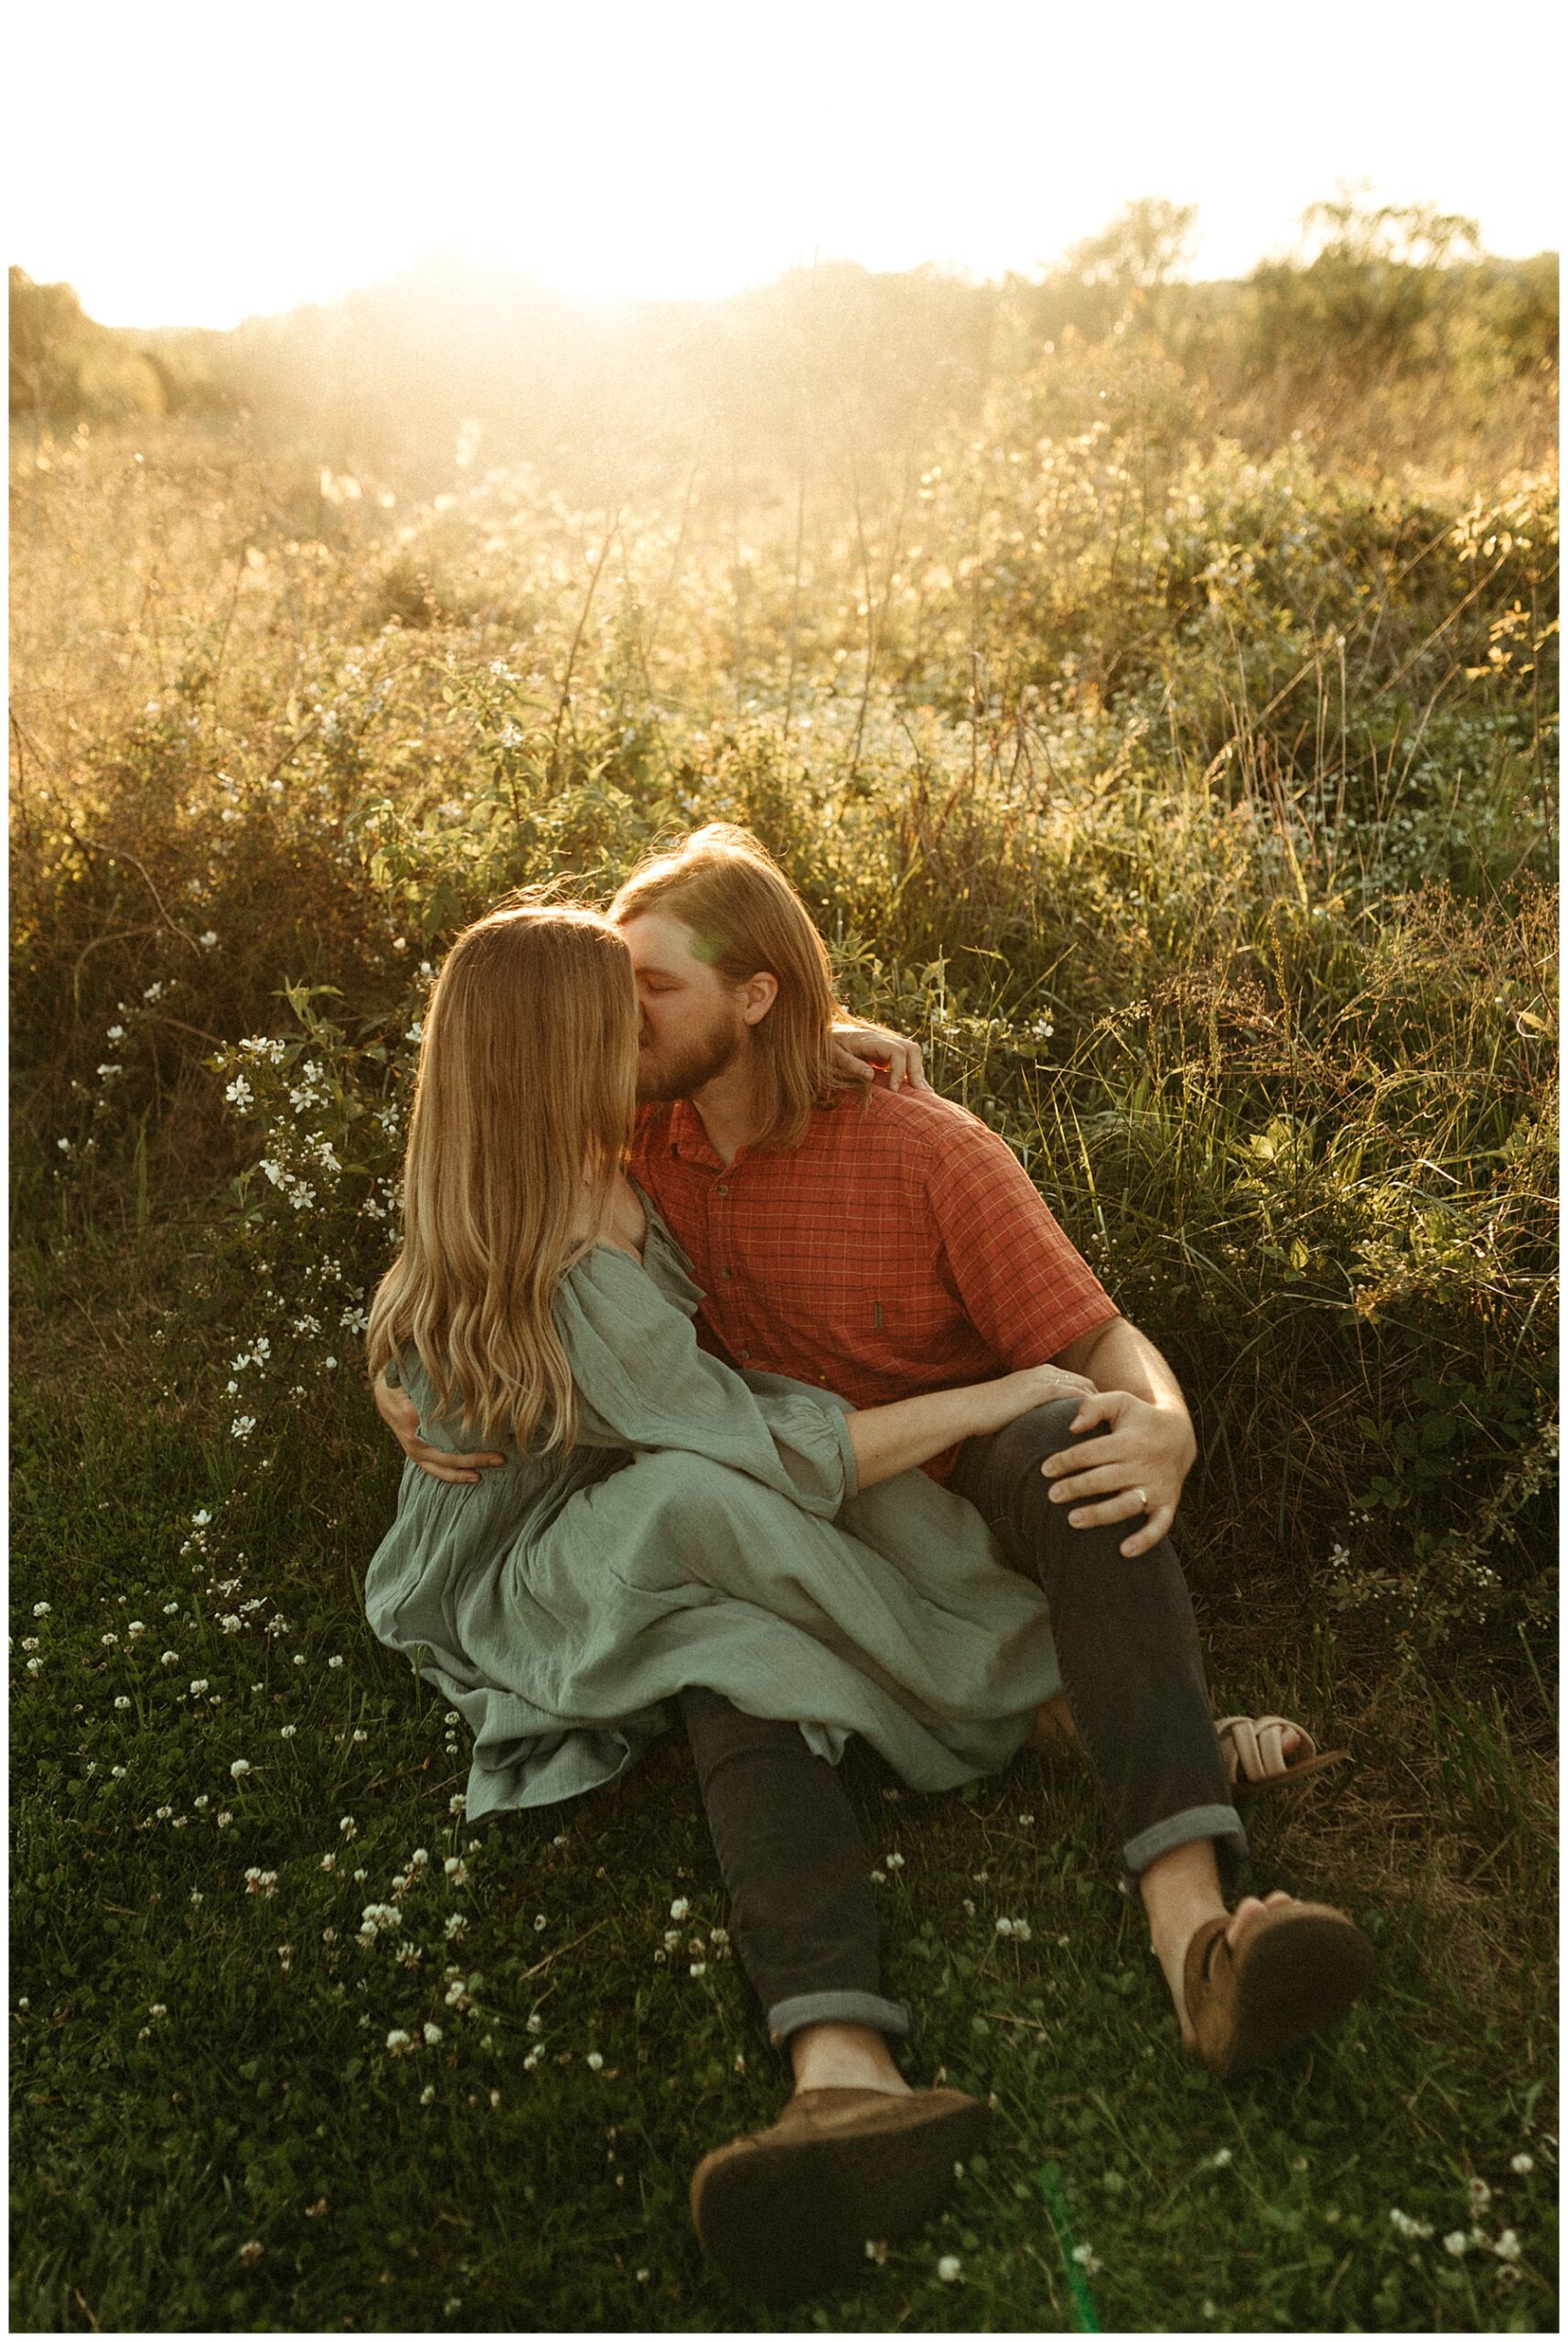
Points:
[(523, 1113)]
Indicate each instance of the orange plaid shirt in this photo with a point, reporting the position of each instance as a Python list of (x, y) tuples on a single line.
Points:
[(900, 1248)]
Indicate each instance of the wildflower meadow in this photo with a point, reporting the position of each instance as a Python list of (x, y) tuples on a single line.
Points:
[(1182, 776)]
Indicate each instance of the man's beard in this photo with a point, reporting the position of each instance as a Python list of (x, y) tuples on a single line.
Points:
[(691, 1068)]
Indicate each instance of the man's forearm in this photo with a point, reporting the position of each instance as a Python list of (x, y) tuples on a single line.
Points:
[(1116, 1356)]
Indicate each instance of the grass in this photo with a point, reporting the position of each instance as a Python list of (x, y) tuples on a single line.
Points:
[(1241, 933), (393, 2192)]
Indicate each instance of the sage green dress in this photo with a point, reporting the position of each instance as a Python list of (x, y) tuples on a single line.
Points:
[(706, 1529)]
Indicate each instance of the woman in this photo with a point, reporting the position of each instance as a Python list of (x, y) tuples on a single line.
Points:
[(661, 1523)]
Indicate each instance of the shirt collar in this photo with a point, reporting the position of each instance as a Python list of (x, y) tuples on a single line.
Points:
[(688, 1139)]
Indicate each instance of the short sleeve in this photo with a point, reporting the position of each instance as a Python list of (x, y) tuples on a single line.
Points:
[(1020, 1282), (642, 1382)]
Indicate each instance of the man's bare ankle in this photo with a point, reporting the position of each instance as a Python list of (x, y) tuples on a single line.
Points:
[(843, 2057)]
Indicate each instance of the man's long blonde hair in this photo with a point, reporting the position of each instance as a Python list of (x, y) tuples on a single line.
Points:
[(745, 916), (523, 1113)]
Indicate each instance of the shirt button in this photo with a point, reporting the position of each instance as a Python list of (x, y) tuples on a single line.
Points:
[(727, 1273), (721, 1189)]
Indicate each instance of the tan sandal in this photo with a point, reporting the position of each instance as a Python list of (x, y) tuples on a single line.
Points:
[(1253, 1750), (1294, 1971)]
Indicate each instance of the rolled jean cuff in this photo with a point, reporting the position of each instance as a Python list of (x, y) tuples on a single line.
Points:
[(786, 2017), (1220, 1822)]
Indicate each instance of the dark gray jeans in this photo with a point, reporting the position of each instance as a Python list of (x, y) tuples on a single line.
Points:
[(803, 1917)]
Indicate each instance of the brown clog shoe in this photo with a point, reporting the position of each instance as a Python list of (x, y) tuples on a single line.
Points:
[(783, 2211), (1294, 1971)]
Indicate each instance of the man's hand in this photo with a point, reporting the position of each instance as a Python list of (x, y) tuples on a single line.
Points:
[(398, 1411), (859, 1049), (1138, 1466)]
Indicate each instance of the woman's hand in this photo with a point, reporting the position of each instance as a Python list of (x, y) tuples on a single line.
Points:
[(859, 1049), (1137, 1467), (1036, 1386), (398, 1411)]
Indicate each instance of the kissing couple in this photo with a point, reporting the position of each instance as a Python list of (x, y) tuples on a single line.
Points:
[(742, 1379)]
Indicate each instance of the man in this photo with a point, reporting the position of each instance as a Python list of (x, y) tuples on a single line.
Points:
[(883, 1244)]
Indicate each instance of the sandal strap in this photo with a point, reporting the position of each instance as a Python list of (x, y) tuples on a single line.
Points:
[(1255, 1750)]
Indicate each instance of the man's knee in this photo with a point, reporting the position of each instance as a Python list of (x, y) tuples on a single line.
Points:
[(1030, 1439)]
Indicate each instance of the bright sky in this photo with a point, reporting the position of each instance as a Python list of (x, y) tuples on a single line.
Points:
[(189, 162)]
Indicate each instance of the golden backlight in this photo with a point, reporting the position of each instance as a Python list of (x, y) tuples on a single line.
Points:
[(182, 165)]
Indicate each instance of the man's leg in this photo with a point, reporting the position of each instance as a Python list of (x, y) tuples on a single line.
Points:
[(1130, 1663), (801, 1908), (856, 2154), (1133, 1675)]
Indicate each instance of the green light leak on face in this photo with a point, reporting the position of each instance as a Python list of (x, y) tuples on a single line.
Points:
[(708, 949)]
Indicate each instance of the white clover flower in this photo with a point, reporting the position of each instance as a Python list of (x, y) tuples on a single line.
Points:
[(1456, 2242), (679, 1908), (1478, 2192), (241, 1765), (595, 2062), (456, 1924), (158, 2009), (540, 1923), (1523, 2164), (198, 1684), (698, 1968), (136, 1627), (171, 1659), (349, 1827), (1087, 2260), (1404, 2226), (455, 1869), (431, 2036), (208, 940), (224, 1820), (122, 1701), (109, 1641), (335, 1660), (287, 1731), (163, 1813), (1220, 2158), (201, 1803), (458, 1805), (41, 1609), (1506, 2247), (399, 2042), (949, 2268), (197, 1897), (242, 1427)]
